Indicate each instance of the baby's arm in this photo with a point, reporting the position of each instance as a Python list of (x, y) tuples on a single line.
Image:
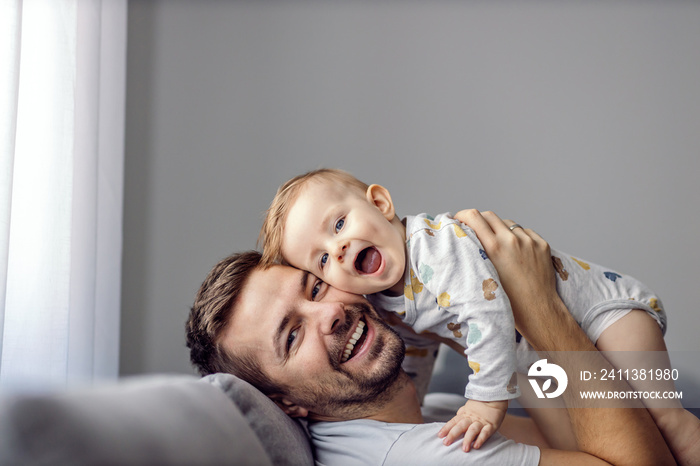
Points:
[(476, 420), (474, 312), (464, 303)]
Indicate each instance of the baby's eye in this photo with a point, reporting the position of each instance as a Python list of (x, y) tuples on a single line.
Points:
[(292, 336), (339, 225), (324, 259)]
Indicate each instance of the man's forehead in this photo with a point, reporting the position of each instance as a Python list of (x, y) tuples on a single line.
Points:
[(276, 283), (266, 299)]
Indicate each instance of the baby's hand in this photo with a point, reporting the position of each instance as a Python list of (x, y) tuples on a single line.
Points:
[(476, 420)]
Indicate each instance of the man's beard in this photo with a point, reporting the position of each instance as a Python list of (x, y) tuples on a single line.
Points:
[(348, 394)]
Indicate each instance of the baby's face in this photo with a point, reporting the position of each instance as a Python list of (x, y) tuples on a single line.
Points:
[(349, 242)]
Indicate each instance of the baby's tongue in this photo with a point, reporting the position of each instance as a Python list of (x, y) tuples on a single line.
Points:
[(369, 260)]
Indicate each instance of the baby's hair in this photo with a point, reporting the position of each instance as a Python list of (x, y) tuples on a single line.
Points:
[(276, 216)]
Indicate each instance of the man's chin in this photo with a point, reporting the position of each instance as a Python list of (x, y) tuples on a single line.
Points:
[(386, 355), (359, 388)]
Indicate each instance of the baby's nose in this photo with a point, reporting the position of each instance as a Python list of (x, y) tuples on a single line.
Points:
[(341, 253)]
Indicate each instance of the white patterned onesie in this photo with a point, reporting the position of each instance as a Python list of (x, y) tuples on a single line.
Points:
[(452, 289)]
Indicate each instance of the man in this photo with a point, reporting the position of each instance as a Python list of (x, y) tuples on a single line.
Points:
[(285, 332)]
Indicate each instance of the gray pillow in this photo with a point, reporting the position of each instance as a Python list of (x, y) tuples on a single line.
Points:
[(286, 441), (155, 420)]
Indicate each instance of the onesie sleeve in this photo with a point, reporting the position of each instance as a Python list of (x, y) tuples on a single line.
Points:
[(468, 304)]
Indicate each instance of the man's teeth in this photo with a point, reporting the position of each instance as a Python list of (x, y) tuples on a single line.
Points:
[(353, 340)]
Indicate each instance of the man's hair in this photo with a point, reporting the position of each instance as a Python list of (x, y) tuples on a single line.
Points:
[(211, 313), (276, 216)]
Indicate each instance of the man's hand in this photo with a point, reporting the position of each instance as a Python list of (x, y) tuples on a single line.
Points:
[(476, 420), (523, 260), (524, 264)]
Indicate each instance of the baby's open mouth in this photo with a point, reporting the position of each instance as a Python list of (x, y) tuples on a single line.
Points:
[(368, 260)]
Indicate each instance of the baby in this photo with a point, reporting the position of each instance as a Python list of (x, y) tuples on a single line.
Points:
[(433, 273)]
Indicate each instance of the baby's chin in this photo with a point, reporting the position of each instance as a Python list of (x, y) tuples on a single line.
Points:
[(360, 285), (372, 285)]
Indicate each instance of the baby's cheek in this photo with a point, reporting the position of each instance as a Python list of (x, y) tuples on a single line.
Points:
[(337, 278), (356, 285)]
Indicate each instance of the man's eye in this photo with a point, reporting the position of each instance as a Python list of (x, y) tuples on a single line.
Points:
[(324, 259), (316, 289), (292, 336), (339, 225)]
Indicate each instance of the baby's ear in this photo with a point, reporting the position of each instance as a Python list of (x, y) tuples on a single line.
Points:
[(379, 197), (289, 407)]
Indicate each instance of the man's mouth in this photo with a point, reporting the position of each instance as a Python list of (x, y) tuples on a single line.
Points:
[(355, 343), (368, 260)]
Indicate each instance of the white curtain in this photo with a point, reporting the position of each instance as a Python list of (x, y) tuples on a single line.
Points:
[(62, 85)]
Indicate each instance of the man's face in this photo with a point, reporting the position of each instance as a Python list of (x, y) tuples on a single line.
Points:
[(339, 235), (329, 349)]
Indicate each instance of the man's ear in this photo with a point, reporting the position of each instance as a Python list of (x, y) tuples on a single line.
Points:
[(290, 408), (379, 197)]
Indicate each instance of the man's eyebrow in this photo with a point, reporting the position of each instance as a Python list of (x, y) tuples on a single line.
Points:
[(304, 281), (280, 350)]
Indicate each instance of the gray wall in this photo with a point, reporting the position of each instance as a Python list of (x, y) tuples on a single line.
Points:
[(580, 120)]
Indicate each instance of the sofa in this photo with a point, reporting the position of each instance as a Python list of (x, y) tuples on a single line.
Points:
[(186, 420), (151, 420)]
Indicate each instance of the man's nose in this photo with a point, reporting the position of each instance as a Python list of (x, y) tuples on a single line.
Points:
[(332, 315)]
